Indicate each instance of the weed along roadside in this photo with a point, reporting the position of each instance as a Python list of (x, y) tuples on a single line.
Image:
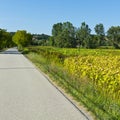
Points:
[(91, 77)]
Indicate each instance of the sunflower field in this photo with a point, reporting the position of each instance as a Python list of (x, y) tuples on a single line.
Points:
[(102, 71)]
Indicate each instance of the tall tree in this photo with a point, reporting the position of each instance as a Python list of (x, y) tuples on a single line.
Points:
[(94, 41), (57, 29), (99, 29), (22, 38), (114, 35), (5, 39), (64, 35), (83, 35)]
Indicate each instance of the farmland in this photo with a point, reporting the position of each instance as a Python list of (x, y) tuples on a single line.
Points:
[(91, 76)]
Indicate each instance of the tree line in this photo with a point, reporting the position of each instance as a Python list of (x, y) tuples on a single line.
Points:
[(65, 35), (21, 38), (40, 39), (10, 39)]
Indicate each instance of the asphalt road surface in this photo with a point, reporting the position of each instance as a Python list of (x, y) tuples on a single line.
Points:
[(25, 94)]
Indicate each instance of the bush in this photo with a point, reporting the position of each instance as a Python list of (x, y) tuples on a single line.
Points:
[(106, 47), (25, 51)]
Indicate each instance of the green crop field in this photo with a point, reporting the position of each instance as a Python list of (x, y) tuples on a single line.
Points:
[(91, 76)]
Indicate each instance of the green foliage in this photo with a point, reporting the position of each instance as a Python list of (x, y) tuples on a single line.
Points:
[(22, 38), (57, 29), (5, 39), (48, 52), (83, 35), (99, 29), (63, 35), (40, 39), (94, 41), (25, 51), (114, 35), (40, 36), (51, 41)]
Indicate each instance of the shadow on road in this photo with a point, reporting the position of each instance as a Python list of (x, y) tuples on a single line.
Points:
[(10, 52)]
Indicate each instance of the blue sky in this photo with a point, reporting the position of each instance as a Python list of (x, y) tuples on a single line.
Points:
[(38, 16)]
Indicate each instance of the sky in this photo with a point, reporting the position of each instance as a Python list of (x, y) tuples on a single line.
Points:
[(38, 16)]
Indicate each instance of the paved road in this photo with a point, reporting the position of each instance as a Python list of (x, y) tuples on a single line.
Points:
[(25, 94)]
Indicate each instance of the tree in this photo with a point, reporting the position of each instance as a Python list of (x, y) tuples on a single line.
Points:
[(64, 40), (99, 29), (40, 39), (57, 29), (68, 35), (22, 38), (94, 41), (63, 35), (51, 41), (5, 39), (83, 35), (114, 35)]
